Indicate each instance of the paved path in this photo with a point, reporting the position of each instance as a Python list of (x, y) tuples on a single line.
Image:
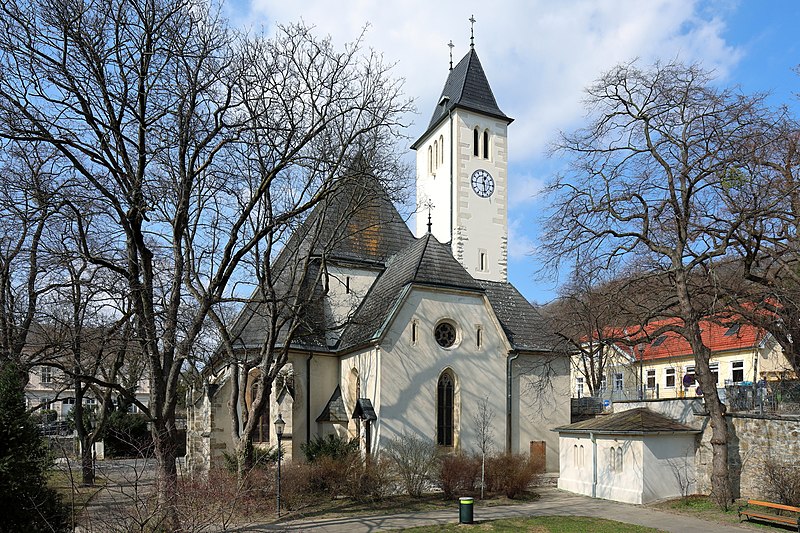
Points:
[(552, 502)]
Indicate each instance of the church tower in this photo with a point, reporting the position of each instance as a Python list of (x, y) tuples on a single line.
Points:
[(462, 172)]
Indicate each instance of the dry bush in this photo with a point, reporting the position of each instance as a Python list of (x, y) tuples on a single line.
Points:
[(414, 462), (372, 480), (782, 481), (297, 486), (459, 474), (511, 474), (331, 475)]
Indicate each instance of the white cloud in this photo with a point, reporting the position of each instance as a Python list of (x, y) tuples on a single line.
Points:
[(538, 55), (520, 245), (523, 189)]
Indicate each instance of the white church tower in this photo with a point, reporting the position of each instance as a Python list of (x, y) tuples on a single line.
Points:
[(462, 172)]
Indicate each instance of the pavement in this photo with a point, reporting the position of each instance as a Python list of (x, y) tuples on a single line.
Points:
[(553, 502)]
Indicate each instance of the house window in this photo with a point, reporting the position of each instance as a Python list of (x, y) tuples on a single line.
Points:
[(430, 159), (580, 457), (618, 381), (612, 459), (475, 136), (714, 367), (733, 330), (651, 379), (603, 385), (689, 377), (445, 402), (486, 145), (669, 378), (575, 455), (46, 375), (737, 369), (579, 386)]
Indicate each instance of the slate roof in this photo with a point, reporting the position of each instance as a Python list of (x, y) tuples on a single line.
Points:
[(524, 326), (639, 421), (466, 87), (426, 262), (334, 411)]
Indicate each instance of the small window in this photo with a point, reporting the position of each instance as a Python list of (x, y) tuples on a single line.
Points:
[(46, 375), (441, 152), (618, 381), (733, 330), (430, 159), (482, 262), (486, 145), (414, 331), (579, 381), (445, 334), (68, 401), (651, 379), (347, 284), (479, 336), (689, 377), (435, 154), (580, 457), (612, 459), (575, 454), (714, 367), (475, 137), (737, 369), (603, 384), (669, 378), (618, 464), (659, 341)]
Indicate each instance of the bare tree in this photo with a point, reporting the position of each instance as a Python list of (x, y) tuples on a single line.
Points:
[(156, 106), (484, 426), (646, 190)]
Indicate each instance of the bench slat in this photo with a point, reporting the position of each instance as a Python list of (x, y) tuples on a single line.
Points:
[(775, 518), (774, 505)]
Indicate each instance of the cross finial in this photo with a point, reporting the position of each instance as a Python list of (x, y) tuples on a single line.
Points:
[(472, 31), (451, 45), (430, 206)]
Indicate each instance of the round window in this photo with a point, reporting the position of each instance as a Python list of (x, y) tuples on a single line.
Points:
[(445, 334)]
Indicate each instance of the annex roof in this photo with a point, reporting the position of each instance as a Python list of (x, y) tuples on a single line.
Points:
[(466, 87), (639, 421)]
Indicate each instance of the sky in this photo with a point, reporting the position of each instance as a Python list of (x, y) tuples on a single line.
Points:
[(539, 55)]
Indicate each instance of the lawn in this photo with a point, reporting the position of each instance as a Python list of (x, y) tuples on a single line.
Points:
[(702, 507), (542, 524)]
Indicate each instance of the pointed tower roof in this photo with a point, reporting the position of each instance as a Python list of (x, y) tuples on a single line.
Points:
[(467, 88)]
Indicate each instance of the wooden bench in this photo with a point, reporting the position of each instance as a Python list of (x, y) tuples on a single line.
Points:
[(762, 515)]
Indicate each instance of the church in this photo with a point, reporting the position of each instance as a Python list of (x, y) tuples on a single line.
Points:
[(415, 332)]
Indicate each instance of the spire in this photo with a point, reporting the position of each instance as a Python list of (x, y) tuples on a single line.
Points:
[(472, 31), (430, 206), (451, 45)]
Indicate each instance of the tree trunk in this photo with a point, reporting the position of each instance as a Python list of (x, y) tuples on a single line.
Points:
[(87, 462), (166, 476)]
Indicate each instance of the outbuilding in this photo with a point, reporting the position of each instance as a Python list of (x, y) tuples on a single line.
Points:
[(636, 456)]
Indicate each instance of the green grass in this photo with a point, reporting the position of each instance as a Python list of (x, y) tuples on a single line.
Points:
[(703, 508), (543, 524)]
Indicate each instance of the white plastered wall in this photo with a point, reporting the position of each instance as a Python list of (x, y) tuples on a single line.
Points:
[(347, 287), (434, 185)]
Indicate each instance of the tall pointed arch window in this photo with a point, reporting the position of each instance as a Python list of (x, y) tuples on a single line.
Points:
[(430, 159), (445, 406), (435, 154), (441, 143), (485, 144), (475, 139)]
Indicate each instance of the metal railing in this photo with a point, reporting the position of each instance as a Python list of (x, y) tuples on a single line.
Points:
[(763, 397)]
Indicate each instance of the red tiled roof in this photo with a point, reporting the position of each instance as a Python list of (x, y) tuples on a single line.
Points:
[(719, 337)]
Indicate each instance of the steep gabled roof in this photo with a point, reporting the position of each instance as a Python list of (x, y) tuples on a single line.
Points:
[(639, 421), (426, 262), (466, 87), (522, 323)]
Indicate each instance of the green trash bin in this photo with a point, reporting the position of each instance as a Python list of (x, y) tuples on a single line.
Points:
[(465, 510)]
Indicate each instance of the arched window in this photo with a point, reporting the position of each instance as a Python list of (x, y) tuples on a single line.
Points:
[(485, 144), (619, 459), (430, 159), (441, 143), (435, 154), (612, 459), (475, 137), (262, 427), (445, 405)]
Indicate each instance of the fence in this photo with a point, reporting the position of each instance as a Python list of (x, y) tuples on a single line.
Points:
[(763, 397)]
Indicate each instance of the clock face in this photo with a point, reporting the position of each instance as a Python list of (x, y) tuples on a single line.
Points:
[(482, 183)]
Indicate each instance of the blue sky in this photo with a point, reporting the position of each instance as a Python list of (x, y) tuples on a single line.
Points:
[(540, 54)]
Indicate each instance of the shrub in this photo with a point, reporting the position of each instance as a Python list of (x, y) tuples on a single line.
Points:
[(511, 474), (332, 446), (371, 480), (414, 462), (262, 458), (27, 502), (330, 475), (782, 481), (459, 474), (126, 435)]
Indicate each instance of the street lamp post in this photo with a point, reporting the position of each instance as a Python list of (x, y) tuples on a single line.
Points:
[(279, 426)]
